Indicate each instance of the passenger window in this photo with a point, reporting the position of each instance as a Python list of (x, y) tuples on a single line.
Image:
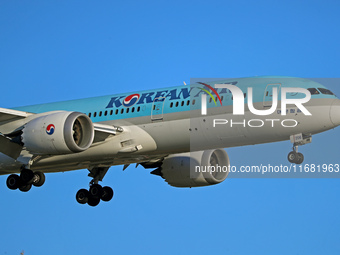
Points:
[(127, 110), (133, 109), (188, 102), (171, 105), (89, 115), (105, 113), (116, 111), (111, 112), (122, 111), (100, 114), (176, 104), (95, 114), (182, 103), (138, 109), (193, 102)]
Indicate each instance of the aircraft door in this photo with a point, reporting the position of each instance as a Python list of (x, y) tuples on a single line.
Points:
[(157, 109), (268, 94)]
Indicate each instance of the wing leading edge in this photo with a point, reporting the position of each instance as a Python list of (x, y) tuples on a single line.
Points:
[(9, 115)]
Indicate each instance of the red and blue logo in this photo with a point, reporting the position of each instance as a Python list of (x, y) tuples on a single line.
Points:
[(131, 100), (50, 129)]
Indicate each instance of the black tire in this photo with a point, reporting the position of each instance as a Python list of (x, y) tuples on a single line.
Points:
[(96, 191), (82, 196), (25, 188), (38, 179), (107, 194), (93, 201), (292, 157), (300, 158), (13, 181), (26, 176)]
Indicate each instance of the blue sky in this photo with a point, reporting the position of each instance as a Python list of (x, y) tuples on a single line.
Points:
[(60, 50)]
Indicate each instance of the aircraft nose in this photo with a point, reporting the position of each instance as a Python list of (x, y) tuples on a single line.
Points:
[(335, 112)]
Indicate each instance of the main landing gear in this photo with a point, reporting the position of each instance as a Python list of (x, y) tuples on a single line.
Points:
[(25, 181), (96, 192)]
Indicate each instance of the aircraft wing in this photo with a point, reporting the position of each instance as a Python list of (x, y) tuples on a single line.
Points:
[(8, 114), (13, 149), (7, 146)]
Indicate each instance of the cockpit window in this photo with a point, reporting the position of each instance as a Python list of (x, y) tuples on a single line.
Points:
[(313, 91), (325, 91)]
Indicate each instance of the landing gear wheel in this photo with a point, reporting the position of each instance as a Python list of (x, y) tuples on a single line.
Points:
[(38, 179), (82, 196), (292, 157), (107, 194), (13, 181), (25, 188), (93, 201), (300, 158), (96, 191), (27, 176), (295, 157), (93, 196)]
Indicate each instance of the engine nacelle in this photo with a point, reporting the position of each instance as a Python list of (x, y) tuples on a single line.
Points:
[(195, 169), (58, 133)]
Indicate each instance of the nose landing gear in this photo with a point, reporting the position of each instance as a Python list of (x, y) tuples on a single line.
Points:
[(294, 156)]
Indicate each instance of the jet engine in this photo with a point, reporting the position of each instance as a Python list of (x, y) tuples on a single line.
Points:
[(58, 133), (195, 169)]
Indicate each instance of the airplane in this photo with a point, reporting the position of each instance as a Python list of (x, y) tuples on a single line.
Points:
[(167, 130)]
